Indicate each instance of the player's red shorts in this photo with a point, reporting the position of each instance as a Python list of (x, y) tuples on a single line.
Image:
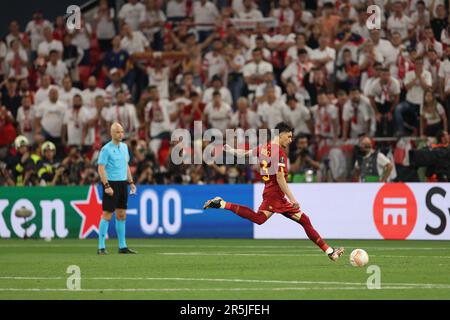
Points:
[(277, 203)]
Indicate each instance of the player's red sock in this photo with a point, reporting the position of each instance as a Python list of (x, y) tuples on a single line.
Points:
[(247, 213), (312, 234)]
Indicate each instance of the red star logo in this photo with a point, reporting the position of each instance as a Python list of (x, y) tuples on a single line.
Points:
[(90, 211)]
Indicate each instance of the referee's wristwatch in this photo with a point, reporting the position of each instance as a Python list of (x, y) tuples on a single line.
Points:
[(131, 182), (107, 185)]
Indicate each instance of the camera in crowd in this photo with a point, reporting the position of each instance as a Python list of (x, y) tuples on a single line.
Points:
[(436, 158)]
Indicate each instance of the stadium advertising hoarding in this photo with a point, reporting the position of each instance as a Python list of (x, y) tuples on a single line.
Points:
[(417, 211), (340, 211), (155, 211)]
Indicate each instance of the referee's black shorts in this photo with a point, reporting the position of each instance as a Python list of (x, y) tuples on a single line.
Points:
[(119, 199)]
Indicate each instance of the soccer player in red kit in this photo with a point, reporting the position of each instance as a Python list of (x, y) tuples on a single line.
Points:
[(277, 197)]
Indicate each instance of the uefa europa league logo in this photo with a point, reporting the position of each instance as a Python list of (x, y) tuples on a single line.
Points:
[(374, 20)]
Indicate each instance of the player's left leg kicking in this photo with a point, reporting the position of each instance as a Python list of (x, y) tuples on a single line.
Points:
[(265, 212)]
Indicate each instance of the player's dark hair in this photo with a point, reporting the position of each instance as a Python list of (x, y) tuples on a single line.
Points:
[(283, 127)]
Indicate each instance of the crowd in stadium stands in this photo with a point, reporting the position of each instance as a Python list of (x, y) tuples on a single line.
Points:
[(155, 66)]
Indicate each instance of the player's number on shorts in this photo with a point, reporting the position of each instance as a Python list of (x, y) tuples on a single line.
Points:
[(266, 177)]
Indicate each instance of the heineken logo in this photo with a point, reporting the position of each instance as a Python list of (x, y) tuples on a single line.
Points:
[(52, 212), (90, 211)]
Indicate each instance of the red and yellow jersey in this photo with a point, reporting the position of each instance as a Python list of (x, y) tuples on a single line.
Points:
[(272, 159)]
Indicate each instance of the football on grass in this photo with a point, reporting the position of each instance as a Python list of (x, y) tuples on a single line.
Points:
[(359, 258)]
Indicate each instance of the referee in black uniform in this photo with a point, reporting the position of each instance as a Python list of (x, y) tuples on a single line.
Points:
[(115, 175)]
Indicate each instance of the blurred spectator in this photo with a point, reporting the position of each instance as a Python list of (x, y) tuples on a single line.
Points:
[(91, 92), (151, 21), (158, 75), (384, 95), (217, 85), (50, 118), (75, 119), (177, 10), (214, 63), (130, 13), (104, 25), (115, 86), (302, 159), (348, 73), (35, 28), (255, 70), (157, 120), (67, 92), (249, 11), (22, 166), (17, 61), (372, 165), (297, 71), (56, 69), (298, 117), (356, 115), (324, 56), (10, 97), (125, 114), (399, 22), (218, 113), (16, 34), (44, 89), (7, 131), (271, 110), (193, 115), (407, 112), (82, 39), (49, 44), (72, 57), (326, 120), (25, 119), (206, 16), (59, 30), (283, 14), (49, 171), (432, 116), (245, 118)]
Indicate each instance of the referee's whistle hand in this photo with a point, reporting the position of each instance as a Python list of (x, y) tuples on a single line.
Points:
[(109, 191)]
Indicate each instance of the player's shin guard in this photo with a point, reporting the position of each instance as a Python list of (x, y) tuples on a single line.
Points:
[(102, 231), (246, 213), (120, 229), (312, 234)]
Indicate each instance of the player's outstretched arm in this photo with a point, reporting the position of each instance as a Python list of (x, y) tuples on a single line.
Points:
[(236, 152), (285, 188)]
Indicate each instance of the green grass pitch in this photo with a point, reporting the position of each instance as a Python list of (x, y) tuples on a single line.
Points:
[(222, 269)]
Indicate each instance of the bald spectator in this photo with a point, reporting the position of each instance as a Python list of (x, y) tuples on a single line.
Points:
[(50, 118)]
